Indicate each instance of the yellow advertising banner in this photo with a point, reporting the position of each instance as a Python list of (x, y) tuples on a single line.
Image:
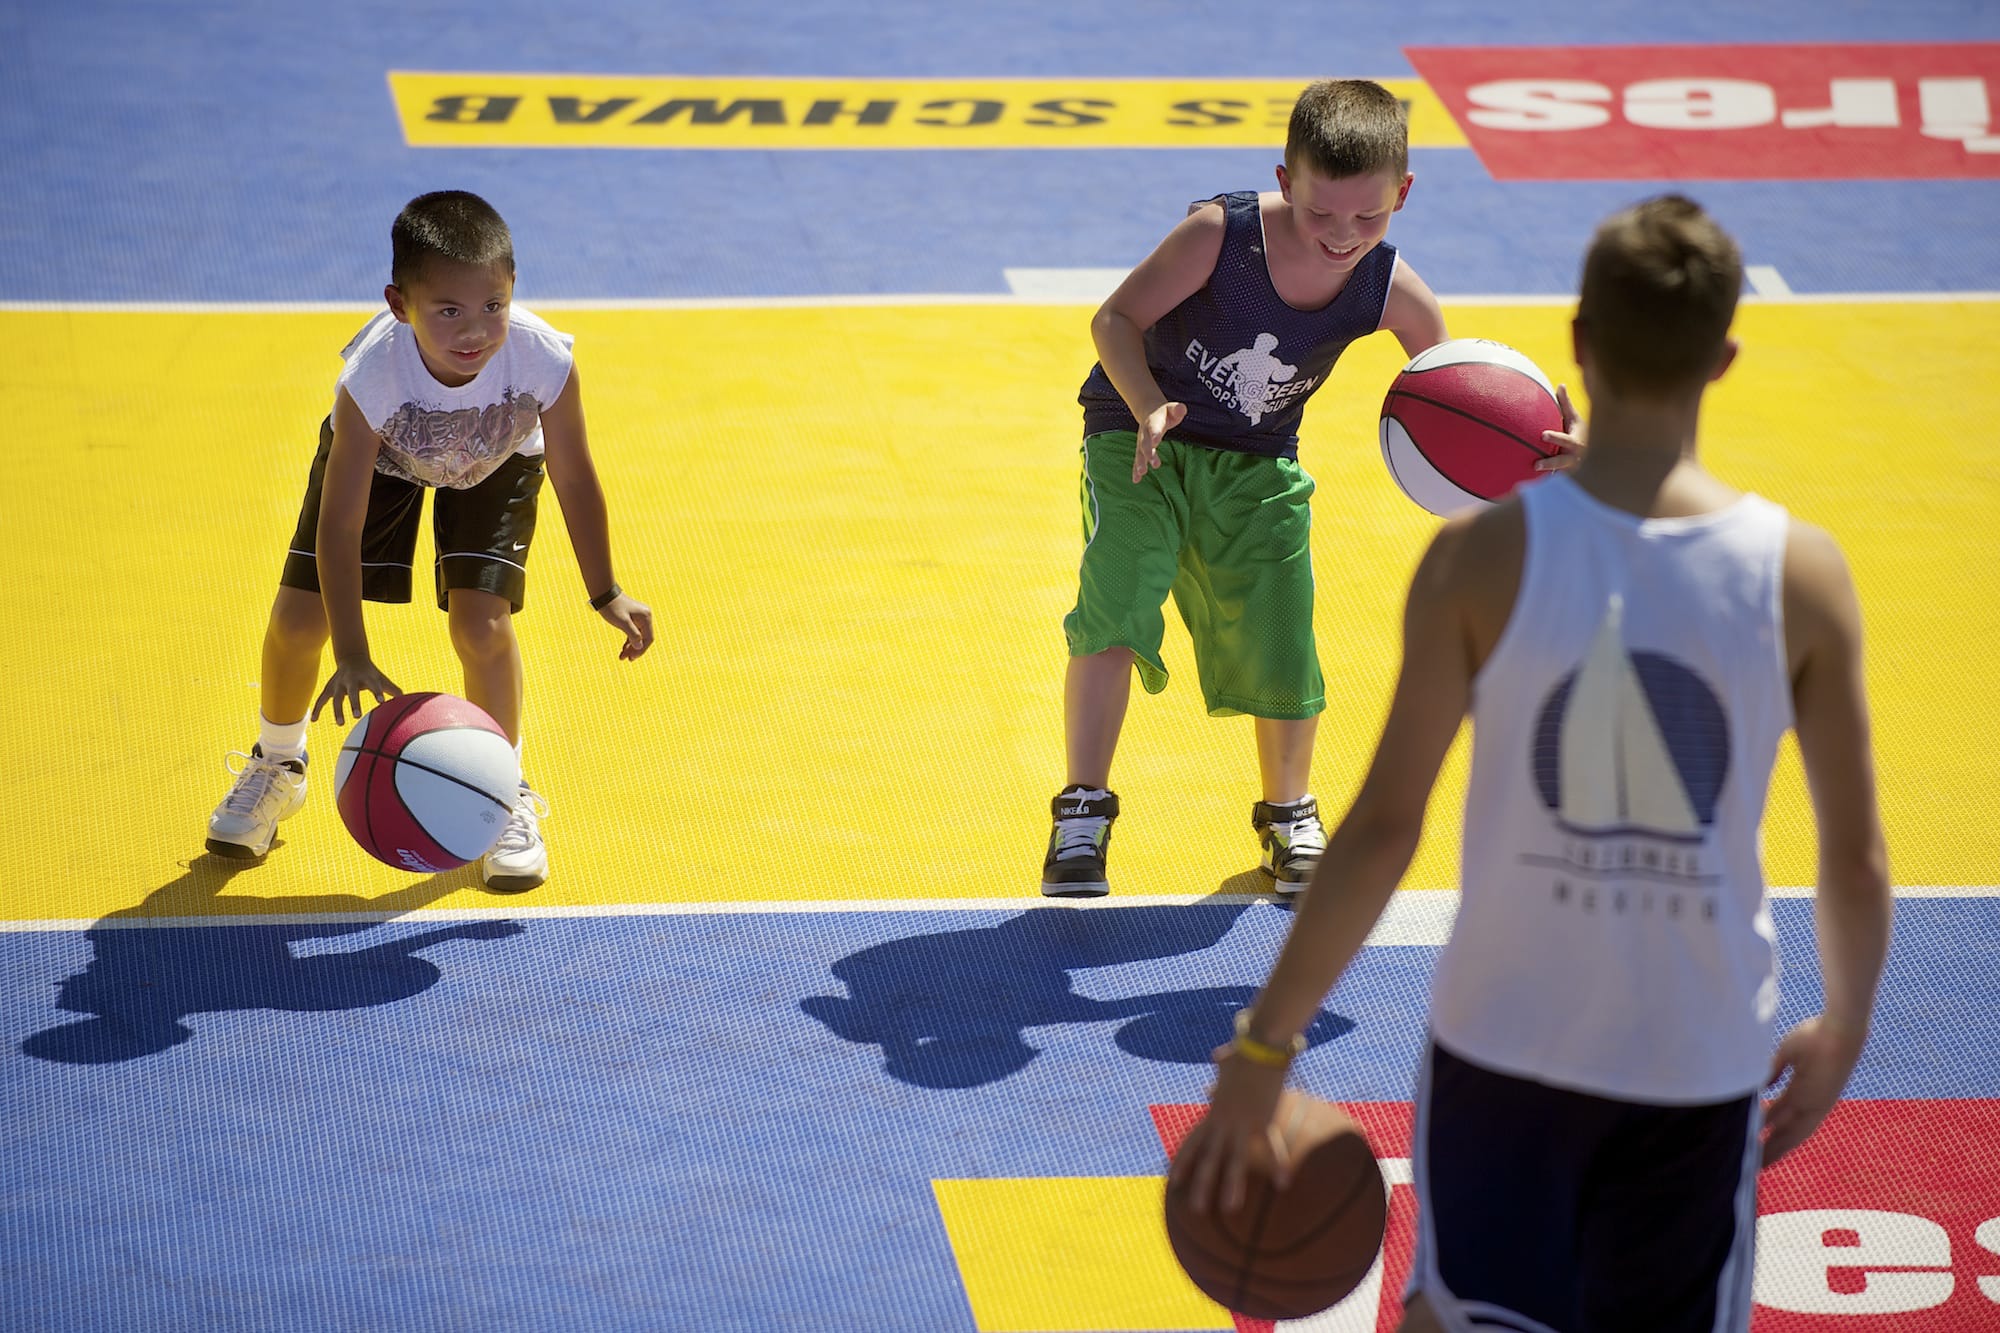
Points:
[(472, 110)]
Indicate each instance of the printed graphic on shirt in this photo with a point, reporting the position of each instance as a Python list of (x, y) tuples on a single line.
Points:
[(1630, 753), (1251, 380), (456, 447)]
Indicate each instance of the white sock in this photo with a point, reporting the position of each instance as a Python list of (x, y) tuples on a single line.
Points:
[(281, 740)]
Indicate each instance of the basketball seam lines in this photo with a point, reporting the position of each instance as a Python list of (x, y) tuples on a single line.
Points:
[(1363, 1180), (1529, 445), (398, 758), (1244, 1270)]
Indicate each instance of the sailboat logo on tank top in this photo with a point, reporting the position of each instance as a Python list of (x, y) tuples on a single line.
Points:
[(1631, 750)]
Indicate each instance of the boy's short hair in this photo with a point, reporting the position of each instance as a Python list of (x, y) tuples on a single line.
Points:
[(1348, 127), (1660, 283), (447, 224)]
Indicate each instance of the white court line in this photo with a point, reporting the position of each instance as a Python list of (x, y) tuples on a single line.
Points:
[(1063, 285), (1415, 916), (892, 299), (1766, 281)]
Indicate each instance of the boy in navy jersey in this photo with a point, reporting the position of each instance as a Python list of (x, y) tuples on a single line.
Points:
[(1632, 639), (1191, 481)]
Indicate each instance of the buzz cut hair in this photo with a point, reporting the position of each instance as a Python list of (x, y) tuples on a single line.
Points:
[(453, 225), (1660, 285), (1349, 127)]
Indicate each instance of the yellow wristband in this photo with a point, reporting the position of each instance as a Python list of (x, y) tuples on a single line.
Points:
[(1263, 1052)]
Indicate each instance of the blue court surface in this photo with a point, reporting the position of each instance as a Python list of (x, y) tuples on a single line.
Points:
[(689, 1086), (676, 1121)]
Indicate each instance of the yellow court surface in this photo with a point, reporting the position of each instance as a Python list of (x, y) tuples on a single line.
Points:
[(857, 527)]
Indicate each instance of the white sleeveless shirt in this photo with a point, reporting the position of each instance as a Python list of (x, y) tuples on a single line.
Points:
[(440, 435), (1613, 935)]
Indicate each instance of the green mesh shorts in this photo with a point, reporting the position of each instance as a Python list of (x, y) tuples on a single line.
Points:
[(1230, 536)]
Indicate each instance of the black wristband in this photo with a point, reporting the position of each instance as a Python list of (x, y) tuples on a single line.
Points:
[(606, 598)]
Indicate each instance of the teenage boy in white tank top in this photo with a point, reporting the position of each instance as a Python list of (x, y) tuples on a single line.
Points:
[(1631, 638)]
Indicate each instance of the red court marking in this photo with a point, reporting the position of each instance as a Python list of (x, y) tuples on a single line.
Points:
[(1912, 1186), (1387, 1125), (1936, 1162), (1904, 111)]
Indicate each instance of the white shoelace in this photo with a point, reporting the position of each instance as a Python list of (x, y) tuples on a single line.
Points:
[(1306, 834), (1079, 836), (523, 825), (254, 782)]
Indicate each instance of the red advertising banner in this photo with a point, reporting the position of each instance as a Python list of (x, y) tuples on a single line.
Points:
[(1896, 111), (1888, 1218)]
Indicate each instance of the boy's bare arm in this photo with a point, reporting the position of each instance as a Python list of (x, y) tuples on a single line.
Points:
[(1364, 860), (1855, 907), (1412, 312), (343, 512), (1174, 271), (566, 453), (1367, 854)]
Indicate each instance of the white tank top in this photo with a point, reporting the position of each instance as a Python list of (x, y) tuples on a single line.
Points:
[(1613, 934)]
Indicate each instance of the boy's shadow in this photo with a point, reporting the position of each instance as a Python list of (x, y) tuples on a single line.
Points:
[(951, 1009), (144, 979)]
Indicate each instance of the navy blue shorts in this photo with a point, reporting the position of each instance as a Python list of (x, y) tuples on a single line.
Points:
[(1542, 1210)]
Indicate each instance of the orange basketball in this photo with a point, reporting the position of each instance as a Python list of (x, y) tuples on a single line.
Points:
[(1289, 1253)]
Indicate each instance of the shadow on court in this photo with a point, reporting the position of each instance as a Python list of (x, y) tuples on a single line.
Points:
[(144, 979), (952, 1009)]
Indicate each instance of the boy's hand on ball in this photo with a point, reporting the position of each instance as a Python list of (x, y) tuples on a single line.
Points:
[(1238, 1137), (635, 619), (350, 680), (1568, 441)]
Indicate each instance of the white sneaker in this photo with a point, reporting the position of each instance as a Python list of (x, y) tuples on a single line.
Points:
[(265, 791), (520, 860)]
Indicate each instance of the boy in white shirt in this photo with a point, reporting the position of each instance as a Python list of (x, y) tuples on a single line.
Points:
[(452, 388)]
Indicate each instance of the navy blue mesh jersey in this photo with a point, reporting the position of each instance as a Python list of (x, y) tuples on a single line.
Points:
[(1243, 360)]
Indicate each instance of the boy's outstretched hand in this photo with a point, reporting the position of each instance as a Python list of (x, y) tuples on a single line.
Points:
[(1821, 1057), (1146, 456), (350, 680), (1568, 441), (635, 618)]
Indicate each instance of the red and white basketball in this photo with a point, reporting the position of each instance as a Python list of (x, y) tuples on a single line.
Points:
[(426, 782), (1462, 425)]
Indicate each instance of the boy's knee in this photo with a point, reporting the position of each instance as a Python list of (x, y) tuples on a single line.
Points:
[(298, 619), (481, 628)]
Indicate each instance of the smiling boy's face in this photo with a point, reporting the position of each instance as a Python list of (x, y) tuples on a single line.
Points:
[(459, 313), (1342, 218)]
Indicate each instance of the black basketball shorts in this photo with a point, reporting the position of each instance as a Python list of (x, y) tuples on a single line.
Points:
[(482, 534), (1542, 1210)]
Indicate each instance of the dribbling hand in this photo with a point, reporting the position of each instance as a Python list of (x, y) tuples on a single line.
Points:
[(350, 680), (1146, 456), (1238, 1137)]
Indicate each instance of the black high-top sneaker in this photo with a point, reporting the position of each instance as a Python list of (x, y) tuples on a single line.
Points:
[(1293, 839), (1074, 867)]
